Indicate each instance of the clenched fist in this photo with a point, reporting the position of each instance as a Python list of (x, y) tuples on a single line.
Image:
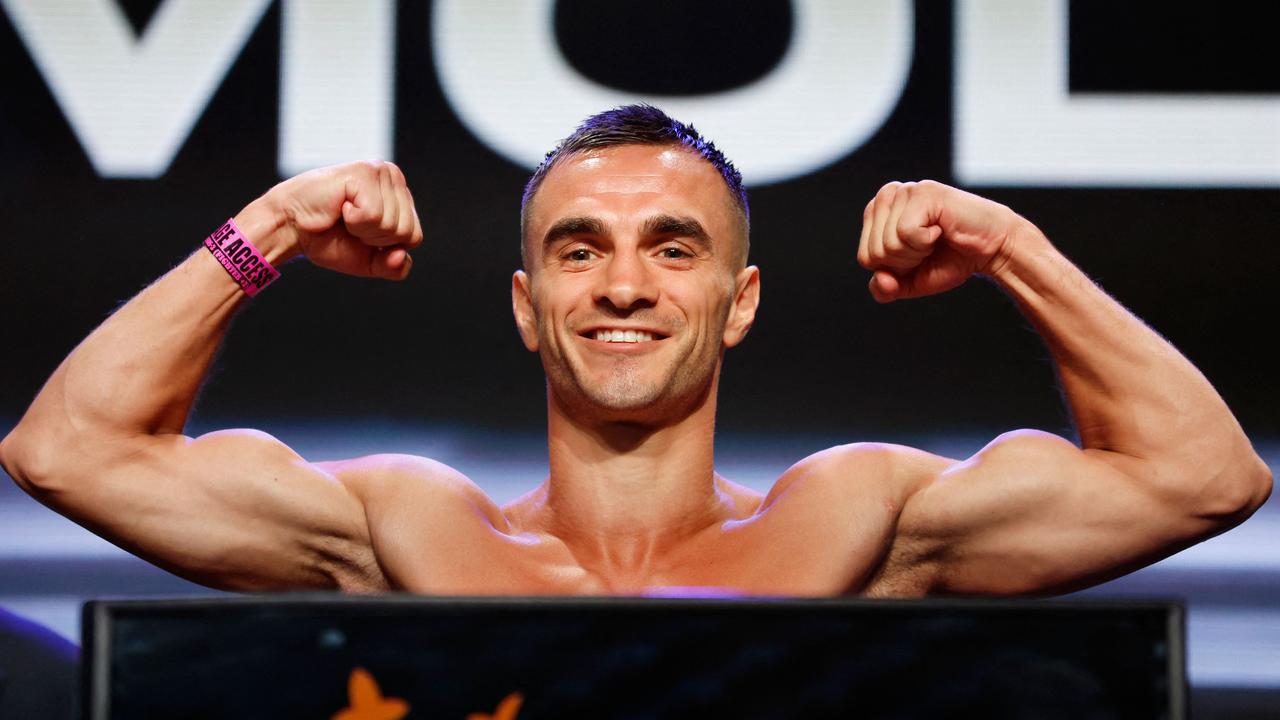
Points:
[(356, 218), (925, 238)]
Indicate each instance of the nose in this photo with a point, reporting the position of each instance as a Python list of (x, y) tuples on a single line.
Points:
[(627, 283)]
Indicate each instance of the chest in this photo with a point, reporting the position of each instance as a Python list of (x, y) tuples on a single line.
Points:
[(788, 550)]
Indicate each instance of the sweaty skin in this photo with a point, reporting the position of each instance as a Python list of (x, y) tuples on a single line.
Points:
[(641, 239)]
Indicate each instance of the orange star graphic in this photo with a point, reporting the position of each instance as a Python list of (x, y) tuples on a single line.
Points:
[(367, 702), (506, 709)]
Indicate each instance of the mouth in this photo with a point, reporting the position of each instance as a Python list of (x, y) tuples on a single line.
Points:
[(622, 336)]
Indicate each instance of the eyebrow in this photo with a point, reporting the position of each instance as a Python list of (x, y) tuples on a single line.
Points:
[(656, 225), (683, 226), (570, 226)]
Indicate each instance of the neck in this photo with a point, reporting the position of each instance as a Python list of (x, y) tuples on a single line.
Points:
[(622, 494)]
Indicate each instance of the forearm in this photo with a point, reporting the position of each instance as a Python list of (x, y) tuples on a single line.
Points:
[(137, 373), (1129, 391)]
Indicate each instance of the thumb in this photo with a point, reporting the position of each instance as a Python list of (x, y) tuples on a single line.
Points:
[(392, 263), (884, 286)]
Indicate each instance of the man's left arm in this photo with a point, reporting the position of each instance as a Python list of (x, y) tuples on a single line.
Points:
[(1163, 463)]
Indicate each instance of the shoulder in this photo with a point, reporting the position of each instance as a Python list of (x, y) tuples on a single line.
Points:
[(840, 509), (385, 483), (890, 470)]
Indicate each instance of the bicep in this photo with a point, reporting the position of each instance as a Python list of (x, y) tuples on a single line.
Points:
[(1031, 513), (234, 509)]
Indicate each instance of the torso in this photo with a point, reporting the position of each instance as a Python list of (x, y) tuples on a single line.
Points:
[(826, 528)]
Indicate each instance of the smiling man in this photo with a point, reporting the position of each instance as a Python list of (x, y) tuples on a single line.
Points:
[(635, 284)]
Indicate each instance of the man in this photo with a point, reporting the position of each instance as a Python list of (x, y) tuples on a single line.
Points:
[(634, 285)]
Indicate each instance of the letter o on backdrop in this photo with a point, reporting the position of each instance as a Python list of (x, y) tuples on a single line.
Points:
[(842, 75)]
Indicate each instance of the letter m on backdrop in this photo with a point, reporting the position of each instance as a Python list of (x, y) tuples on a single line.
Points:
[(132, 100)]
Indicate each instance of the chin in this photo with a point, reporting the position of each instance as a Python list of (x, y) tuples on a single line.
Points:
[(631, 394), (632, 405), (652, 403)]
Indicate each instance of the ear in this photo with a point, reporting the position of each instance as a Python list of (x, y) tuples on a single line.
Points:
[(522, 308), (746, 298)]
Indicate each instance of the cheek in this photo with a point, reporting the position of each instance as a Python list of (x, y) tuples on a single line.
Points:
[(720, 302), (549, 312), (708, 314)]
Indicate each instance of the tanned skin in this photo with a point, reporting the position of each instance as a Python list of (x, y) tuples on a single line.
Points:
[(642, 238)]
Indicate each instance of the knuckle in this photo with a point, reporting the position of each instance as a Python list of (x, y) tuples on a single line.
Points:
[(902, 227), (361, 174), (932, 187)]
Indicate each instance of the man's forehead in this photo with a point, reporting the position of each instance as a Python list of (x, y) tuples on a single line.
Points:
[(639, 168), (638, 172)]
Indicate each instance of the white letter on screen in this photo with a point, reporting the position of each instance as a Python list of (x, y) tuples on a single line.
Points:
[(133, 101), (337, 84), (1017, 124), (840, 79)]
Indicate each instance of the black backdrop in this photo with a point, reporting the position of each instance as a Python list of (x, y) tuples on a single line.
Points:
[(1196, 263)]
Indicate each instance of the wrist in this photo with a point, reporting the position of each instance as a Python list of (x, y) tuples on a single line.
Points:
[(266, 225), (1024, 253)]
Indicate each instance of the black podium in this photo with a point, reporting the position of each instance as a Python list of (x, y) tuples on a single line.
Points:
[(411, 657)]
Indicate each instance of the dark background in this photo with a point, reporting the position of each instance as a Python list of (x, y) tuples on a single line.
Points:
[(340, 366), (1195, 263)]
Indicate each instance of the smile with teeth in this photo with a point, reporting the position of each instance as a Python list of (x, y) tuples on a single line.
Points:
[(622, 336)]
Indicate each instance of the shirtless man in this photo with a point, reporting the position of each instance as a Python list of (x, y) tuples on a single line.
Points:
[(634, 285)]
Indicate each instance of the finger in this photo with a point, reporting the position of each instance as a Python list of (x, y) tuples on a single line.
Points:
[(408, 230), (897, 254), (339, 250), (864, 256), (390, 205), (365, 207), (918, 226), (404, 220), (890, 229), (875, 241), (415, 238), (397, 175), (942, 271)]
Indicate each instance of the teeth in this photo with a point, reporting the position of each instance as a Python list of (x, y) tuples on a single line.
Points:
[(628, 336)]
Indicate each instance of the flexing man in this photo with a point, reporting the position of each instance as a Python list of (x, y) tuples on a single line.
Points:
[(634, 284)]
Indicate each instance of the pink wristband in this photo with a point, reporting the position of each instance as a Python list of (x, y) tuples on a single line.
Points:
[(240, 258)]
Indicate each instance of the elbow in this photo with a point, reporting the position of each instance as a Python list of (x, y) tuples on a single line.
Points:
[(13, 458), (1261, 483), (1237, 491), (1252, 480), (29, 460)]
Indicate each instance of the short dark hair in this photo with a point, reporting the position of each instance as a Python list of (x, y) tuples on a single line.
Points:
[(638, 124)]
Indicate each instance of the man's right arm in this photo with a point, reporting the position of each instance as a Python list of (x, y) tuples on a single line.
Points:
[(102, 443)]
